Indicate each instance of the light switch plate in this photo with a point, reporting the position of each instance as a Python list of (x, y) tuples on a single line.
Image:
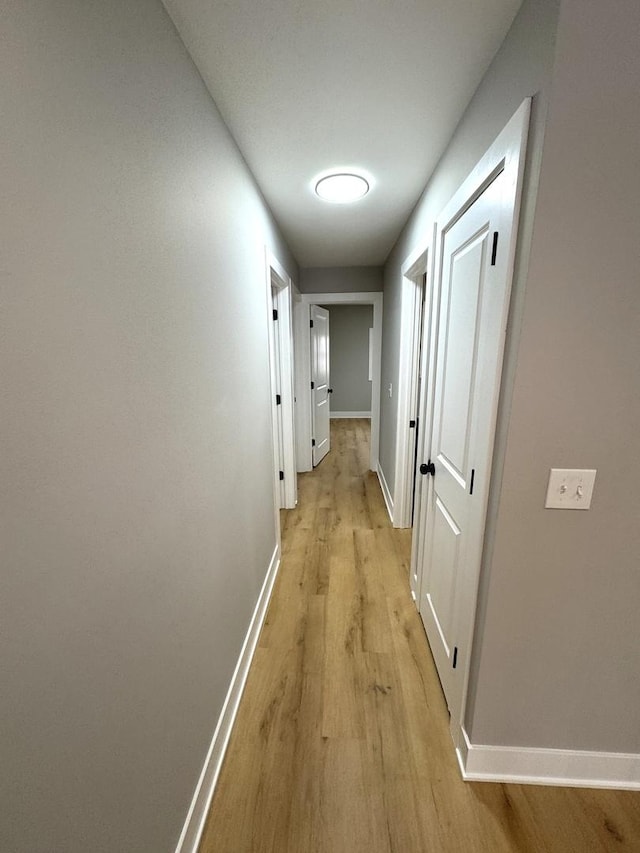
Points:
[(570, 488)]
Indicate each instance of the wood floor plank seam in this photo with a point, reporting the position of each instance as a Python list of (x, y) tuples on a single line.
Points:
[(341, 743)]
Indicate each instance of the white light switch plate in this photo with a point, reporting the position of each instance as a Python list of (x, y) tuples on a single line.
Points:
[(570, 488)]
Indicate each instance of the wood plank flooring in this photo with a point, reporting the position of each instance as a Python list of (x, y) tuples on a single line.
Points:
[(342, 743)]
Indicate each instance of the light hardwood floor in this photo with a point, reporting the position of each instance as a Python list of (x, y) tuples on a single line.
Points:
[(342, 743)]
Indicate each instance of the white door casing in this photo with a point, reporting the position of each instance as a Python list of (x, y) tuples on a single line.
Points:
[(414, 343), (276, 379), (475, 247), (320, 377), (281, 371)]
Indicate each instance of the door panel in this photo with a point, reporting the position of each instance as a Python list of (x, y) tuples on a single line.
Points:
[(320, 365), (459, 353), (469, 321), (446, 553)]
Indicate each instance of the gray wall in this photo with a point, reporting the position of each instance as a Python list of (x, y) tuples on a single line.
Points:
[(560, 658), (556, 654), (137, 516), (349, 352), (341, 280)]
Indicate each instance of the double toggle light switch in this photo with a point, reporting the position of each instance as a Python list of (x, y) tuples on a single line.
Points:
[(570, 488)]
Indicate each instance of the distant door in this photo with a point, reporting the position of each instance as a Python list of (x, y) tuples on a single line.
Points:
[(320, 382)]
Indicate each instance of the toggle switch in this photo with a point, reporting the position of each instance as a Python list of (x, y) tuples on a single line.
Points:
[(570, 488)]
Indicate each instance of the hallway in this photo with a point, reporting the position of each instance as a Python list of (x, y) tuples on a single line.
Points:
[(341, 744)]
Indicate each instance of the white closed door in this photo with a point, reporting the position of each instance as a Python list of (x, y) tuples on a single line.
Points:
[(276, 385), (474, 289), (321, 441)]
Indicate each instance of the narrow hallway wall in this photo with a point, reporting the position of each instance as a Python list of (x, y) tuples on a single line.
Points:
[(135, 476), (522, 67), (555, 658), (559, 660)]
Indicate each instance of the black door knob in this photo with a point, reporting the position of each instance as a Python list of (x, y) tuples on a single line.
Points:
[(428, 468), (329, 390)]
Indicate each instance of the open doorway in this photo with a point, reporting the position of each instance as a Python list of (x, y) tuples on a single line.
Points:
[(350, 339), (304, 409)]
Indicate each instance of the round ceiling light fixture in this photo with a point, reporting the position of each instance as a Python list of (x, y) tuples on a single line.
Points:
[(341, 187)]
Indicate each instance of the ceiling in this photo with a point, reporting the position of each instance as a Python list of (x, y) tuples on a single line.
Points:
[(307, 85)]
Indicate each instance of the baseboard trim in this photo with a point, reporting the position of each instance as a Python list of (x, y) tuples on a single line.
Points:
[(386, 494), (350, 415), (197, 815), (534, 766)]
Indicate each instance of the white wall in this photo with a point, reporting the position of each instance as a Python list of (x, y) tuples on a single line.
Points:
[(559, 657), (136, 486), (349, 351), (341, 279)]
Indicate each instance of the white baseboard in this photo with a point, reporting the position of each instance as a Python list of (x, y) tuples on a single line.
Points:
[(386, 494), (533, 766), (196, 817), (350, 415)]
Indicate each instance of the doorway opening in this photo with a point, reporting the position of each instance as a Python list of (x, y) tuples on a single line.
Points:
[(304, 391)]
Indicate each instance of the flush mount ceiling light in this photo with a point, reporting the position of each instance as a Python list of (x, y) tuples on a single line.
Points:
[(341, 187)]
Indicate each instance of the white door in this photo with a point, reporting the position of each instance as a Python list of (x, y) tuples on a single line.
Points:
[(276, 385), (281, 368), (320, 382), (473, 276)]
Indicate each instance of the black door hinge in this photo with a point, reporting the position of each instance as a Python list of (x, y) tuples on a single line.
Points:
[(313, 442), (473, 476), (412, 424), (311, 324), (275, 314), (278, 399), (282, 475), (494, 250), (455, 656), (312, 385)]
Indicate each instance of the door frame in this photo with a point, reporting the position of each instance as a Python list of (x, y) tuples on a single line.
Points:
[(281, 376), (507, 153), (418, 263), (303, 369)]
